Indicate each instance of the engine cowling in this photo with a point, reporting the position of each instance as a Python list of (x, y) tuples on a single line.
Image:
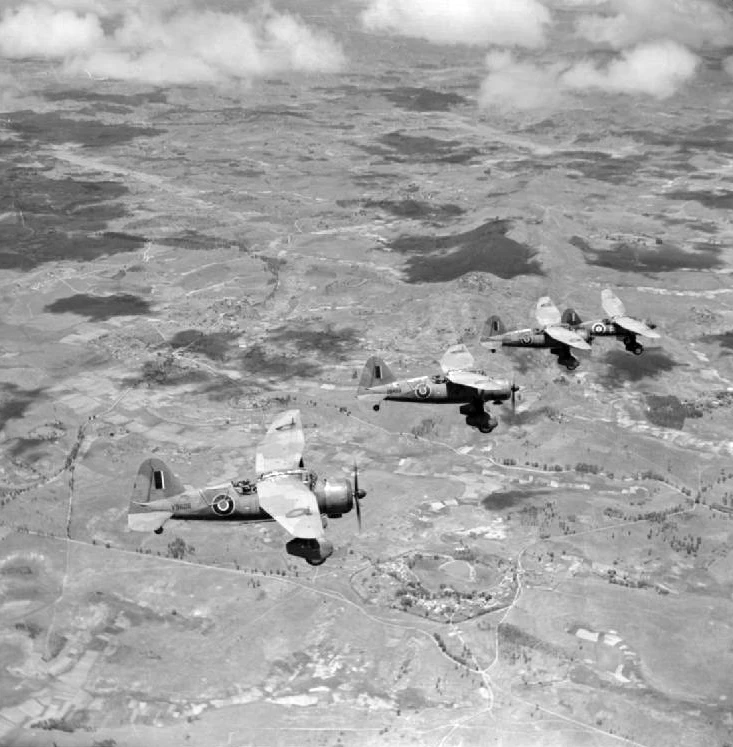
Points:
[(335, 497)]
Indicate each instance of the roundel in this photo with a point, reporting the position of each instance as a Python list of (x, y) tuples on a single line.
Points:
[(599, 327), (223, 505), (526, 339), (422, 390)]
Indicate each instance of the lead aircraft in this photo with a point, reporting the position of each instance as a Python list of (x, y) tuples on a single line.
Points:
[(616, 324), (284, 491), (458, 383)]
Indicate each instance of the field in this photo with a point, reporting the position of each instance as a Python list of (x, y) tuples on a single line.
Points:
[(184, 259)]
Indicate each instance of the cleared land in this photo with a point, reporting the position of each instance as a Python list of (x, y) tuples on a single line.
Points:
[(178, 268)]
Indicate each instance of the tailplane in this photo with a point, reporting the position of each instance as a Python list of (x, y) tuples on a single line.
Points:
[(154, 480), (375, 373)]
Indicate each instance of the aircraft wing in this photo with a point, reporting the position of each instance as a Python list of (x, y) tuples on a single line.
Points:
[(457, 357), (292, 505), (636, 326), (546, 313), (476, 380), (282, 446), (612, 304), (567, 337)]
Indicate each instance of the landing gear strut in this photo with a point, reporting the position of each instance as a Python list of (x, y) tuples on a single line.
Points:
[(477, 417)]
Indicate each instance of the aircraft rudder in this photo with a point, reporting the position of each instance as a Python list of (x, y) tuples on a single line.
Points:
[(493, 327), (375, 373), (571, 317), (154, 480)]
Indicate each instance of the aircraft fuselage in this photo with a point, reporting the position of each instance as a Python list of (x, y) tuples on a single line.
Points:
[(438, 390), (532, 338), (238, 501)]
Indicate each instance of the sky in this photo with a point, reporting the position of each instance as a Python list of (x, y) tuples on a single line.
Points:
[(634, 48)]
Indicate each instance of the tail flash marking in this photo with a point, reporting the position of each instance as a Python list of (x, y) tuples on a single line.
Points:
[(159, 479)]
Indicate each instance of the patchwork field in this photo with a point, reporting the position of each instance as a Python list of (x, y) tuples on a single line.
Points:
[(181, 261)]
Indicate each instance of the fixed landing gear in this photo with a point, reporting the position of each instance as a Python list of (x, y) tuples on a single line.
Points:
[(375, 408), (159, 530), (633, 346), (313, 551), (569, 361), (565, 358), (477, 417)]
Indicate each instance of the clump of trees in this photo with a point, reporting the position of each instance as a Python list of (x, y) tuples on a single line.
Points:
[(177, 549)]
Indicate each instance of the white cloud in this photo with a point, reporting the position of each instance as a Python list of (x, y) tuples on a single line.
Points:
[(164, 42), (514, 84), (654, 69), (43, 31), (501, 22), (657, 69), (694, 23)]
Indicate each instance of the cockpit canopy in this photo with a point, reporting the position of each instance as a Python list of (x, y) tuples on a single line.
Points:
[(308, 477)]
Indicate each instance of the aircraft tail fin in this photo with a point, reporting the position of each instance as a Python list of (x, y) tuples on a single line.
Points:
[(571, 318), (154, 480), (375, 373), (493, 327)]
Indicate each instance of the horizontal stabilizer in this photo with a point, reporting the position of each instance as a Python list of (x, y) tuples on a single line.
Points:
[(372, 398), (147, 521)]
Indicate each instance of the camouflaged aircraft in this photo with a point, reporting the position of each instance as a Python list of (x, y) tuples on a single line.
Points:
[(552, 332), (284, 491), (458, 383), (616, 324)]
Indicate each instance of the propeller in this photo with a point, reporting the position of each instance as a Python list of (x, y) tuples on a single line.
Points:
[(358, 494), (514, 389)]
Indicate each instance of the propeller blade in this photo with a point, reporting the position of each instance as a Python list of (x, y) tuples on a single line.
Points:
[(358, 510), (358, 495)]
